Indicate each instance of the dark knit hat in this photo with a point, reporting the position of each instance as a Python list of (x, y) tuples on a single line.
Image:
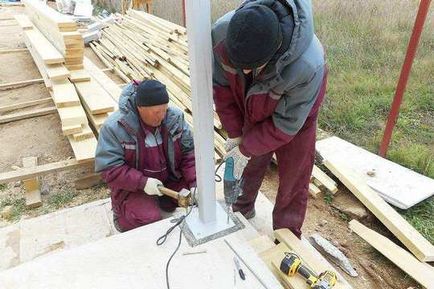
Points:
[(253, 36), (150, 93)]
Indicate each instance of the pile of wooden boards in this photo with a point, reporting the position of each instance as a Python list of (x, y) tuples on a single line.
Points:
[(421, 249), (60, 30), (57, 49)]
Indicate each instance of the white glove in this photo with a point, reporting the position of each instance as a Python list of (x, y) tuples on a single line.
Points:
[(151, 187), (231, 143), (240, 161)]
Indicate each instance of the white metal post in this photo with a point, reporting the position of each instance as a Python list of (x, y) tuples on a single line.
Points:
[(200, 51)]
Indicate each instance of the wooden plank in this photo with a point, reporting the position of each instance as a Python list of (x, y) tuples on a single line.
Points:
[(392, 181), (40, 170), (13, 50), (84, 150), (25, 104), (109, 85), (306, 253), (79, 75), (261, 244), (72, 116), (17, 84), (57, 71), (409, 236), (88, 181), (64, 93), (324, 179), (24, 21), (97, 120), (27, 114), (421, 272), (43, 47), (85, 133), (94, 97), (72, 129), (32, 186), (314, 191)]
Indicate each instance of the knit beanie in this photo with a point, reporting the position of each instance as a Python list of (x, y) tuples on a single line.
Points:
[(253, 36), (150, 93)]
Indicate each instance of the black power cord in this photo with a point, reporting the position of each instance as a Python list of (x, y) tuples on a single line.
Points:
[(160, 241)]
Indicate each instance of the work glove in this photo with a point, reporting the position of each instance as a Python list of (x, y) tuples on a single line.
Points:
[(240, 161), (151, 187), (231, 143)]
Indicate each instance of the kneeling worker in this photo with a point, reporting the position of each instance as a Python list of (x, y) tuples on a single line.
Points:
[(143, 145)]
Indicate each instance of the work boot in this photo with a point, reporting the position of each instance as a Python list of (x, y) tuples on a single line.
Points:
[(116, 223), (250, 214)]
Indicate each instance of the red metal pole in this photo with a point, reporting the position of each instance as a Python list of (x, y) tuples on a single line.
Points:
[(183, 14), (405, 72)]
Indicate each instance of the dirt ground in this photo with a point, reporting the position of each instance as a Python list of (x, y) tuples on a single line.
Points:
[(42, 137)]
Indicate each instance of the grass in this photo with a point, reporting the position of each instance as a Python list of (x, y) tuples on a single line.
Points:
[(18, 207), (61, 199), (365, 43)]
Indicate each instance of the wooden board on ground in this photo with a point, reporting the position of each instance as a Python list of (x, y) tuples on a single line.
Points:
[(396, 184), (24, 22), (85, 133), (27, 114), (88, 181), (32, 187), (40, 170), (25, 104), (314, 191), (421, 272), (72, 116), (324, 179), (43, 47), (72, 129), (84, 150), (57, 71), (109, 85), (79, 75), (94, 97), (64, 94), (406, 233)]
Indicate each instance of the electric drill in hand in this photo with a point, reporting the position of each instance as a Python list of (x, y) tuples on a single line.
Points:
[(231, 186), (292, 265)]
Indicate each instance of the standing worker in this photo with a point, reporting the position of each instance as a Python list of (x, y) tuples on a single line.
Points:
[(269, 81), (143, 145)]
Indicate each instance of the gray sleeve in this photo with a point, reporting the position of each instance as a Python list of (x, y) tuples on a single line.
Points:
[(109, 151), (187, 144), (296, 103)]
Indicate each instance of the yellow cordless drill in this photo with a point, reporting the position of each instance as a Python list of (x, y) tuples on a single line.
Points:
[(292, 265)]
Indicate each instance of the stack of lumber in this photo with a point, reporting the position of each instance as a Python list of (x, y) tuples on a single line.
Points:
[(60, 30), (57, 78), (144, 46)]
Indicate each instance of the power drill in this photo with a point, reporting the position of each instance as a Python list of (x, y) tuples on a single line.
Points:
[(292, 265), (231, 186)]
